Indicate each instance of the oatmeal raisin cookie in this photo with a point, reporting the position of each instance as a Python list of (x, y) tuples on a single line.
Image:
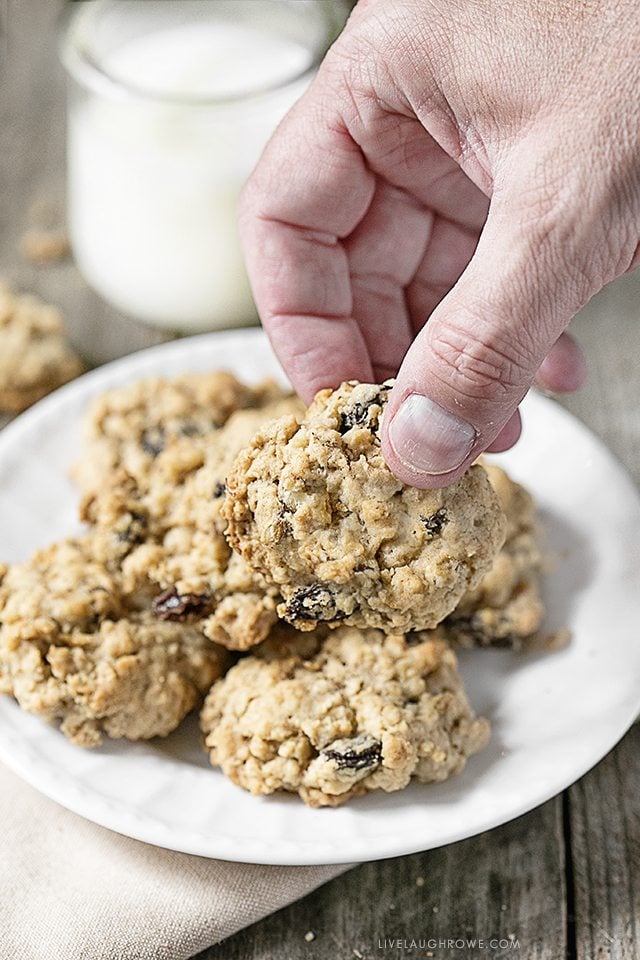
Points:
[(73, 650), (35, 355), (313, 507), (334, 714)]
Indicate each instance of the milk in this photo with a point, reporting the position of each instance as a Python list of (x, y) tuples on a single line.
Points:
[(159, 146)]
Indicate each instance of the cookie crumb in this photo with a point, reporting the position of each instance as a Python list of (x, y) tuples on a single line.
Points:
[(557, 640), (309, 936), (42, 246), (419, 881)]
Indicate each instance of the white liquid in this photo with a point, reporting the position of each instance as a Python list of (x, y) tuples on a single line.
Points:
[(153, 184)]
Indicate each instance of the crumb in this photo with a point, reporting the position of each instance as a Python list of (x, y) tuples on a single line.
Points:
[(435, 909), (419, 881), (357, 954), (41, 245), (558, 640), (309, 936)]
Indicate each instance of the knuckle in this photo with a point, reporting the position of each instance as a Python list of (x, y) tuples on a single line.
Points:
[(485, 364)]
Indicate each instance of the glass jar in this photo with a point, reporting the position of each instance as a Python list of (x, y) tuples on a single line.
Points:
[(170, 104)]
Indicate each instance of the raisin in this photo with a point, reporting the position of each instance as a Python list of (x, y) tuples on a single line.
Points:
[(508, 642), (435, 522), (313, 603), (219, 490), (134, 530), (361, 414), (282, 527), (188, 429), (360, 753), (171, 605), (469, 629), (152, 441), (355, 417)]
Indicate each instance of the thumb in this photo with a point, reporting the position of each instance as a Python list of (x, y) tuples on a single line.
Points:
[(459, 386)]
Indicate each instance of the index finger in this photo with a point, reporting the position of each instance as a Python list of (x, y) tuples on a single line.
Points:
[(309, 191)]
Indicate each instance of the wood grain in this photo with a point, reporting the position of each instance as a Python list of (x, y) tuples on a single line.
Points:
[(504, 885), (608, 329), (604, 823)]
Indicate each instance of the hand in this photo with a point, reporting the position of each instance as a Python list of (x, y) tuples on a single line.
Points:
[(473, 165)]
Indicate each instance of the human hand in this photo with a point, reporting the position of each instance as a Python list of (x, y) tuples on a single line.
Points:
[(473, 165)]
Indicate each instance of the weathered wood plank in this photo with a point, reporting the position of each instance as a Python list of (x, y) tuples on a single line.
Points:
[(603, 807), (609, 330), (506, 884), (605, 842)]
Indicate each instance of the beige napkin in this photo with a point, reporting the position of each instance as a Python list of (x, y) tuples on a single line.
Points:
[(72, 890)]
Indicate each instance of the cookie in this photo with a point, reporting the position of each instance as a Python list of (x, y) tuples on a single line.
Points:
[(164, 533), (35, 355), (334, 714), (505, 609), (313, 507), (74, 651), (129, 427)]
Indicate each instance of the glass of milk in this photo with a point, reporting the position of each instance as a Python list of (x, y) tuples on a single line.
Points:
[(170, 105)]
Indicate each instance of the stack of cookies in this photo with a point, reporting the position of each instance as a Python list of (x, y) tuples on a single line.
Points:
[(247, 552)]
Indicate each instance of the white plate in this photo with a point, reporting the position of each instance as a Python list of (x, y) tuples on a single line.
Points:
[(554, 715)]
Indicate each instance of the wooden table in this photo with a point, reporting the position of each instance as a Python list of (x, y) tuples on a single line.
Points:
[(564, 880)]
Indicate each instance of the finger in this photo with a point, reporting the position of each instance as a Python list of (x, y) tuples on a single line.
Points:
[(384, 252), (399, 149), (448, 253), (564, 369), (309, 191), (509, 435), (468, 369)]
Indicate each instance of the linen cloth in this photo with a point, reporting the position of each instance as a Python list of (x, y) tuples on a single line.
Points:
[(70, 890)]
